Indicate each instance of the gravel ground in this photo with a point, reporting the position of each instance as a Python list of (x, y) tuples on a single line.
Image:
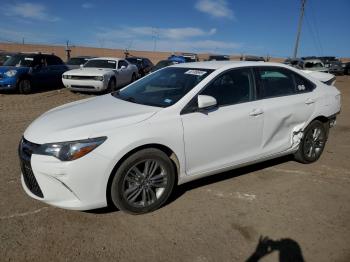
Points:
[(304, 210)]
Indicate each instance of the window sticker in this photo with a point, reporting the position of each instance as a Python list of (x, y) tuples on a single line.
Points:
[(301, 87), (29, 58), (111, 62), (195, 72), (167, 100)]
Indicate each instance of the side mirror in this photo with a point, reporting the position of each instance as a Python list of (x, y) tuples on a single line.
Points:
[(122, 67), (206, 101), (81, 66)]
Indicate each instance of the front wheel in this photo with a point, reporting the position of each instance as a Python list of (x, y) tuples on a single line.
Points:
[(24, 86), (143, 182), (312, 143), (112, 85)]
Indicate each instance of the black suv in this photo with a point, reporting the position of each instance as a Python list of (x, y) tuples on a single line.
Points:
[(143, 64)]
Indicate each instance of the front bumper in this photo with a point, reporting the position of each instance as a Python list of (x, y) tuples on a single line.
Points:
[(80, 184), (85, 85), (8, 83)]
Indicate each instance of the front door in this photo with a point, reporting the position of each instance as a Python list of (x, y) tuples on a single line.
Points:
[(229, 134)]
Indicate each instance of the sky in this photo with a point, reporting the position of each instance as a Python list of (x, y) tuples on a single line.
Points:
[(257, 27)]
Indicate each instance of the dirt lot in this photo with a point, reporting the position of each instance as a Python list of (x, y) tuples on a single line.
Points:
[(215, 219)]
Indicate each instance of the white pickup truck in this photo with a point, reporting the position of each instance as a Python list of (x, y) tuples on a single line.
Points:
[(100, 74)]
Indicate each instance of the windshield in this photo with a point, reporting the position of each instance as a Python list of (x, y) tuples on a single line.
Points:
[(19, 60), (99, 63), (314, 65), (77, 61), (163, 88)]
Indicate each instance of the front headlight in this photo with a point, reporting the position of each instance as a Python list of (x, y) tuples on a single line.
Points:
[(98, 78), (11, 73), (68, 151)]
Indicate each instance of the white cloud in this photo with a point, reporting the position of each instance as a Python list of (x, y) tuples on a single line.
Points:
[(87, 5), (168, 33), (29, 10), (167, 39), (215, 8)]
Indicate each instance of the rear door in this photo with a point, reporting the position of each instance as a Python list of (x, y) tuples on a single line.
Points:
[(56, 68), (288, 103), (229, 134)]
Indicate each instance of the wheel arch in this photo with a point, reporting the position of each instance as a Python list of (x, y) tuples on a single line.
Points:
[(168, 151)]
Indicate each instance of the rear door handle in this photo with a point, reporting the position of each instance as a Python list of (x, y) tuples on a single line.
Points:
[(256, 112), (309, 101)]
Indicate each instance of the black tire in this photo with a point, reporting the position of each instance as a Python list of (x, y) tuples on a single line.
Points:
[(133, 78), (312, 144), (112, 85), (144, 191), (24, 86)]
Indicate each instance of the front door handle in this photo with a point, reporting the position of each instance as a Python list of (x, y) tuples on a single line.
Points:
[(256, 112), (309, 101)]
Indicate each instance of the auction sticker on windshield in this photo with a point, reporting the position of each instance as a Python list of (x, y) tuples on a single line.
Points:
[(111, 62), (195, 72)]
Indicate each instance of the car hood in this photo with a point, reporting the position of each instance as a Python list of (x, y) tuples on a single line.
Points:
[(88, 71), (320, 76), (4, 69), (85, 119)]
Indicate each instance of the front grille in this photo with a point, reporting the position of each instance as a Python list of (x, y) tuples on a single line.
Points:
[(83, 77), (29, 179), (25, 152)]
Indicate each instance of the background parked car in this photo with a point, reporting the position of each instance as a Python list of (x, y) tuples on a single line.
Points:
[(25, 72), (346, 68), (143, 64), (100, 74), (315, 65), (295, 62), (76, 62), (335, 67), (190, 57), (177, 58), (162, 64), (219, 58), (253, 58)]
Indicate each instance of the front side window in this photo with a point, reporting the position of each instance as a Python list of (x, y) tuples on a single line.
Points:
[(122, 63), (233, 87), (163, 88), (100, 63), (275, 82)]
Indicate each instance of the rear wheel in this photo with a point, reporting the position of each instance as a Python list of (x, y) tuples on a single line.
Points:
[(312, 143), (24, 86), (143, 182)]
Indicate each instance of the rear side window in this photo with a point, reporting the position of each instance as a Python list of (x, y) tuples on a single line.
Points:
[(275, 82), (232, 87), (302, 84), (53, 60)]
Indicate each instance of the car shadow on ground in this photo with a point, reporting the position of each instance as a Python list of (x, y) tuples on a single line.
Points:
[(289, 250), (182, 189)]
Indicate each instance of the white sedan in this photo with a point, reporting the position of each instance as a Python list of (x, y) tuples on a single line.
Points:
[(132, 147), (100, 74)]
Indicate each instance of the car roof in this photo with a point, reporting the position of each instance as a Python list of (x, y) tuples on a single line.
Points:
[(220, 64), (313, 60), (107, 58)]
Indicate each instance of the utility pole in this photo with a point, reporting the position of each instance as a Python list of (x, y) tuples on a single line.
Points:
[(303, 2), (68, 50)]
